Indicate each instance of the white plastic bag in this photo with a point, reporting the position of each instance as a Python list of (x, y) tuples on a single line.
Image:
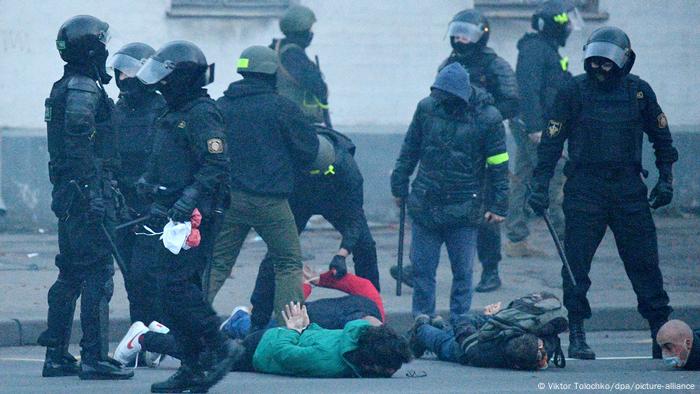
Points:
[(175, 236)]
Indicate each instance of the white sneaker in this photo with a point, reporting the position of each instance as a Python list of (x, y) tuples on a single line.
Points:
[(128, 349), (151, 359), (157, 327)]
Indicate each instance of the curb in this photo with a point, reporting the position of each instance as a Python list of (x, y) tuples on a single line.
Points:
[(18, 332)]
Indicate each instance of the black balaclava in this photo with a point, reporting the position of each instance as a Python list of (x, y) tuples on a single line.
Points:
[(605, 80), (99, 60), (467, 51)]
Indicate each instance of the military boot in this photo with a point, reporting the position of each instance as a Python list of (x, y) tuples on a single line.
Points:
[(103, 370), (185, 380), (490, 281), (59, 363), (578, 348)]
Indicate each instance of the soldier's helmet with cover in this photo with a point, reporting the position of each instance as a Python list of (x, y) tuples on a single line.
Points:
[(297, 19), (557, 19), (258, 59), (609, 43), (179, 67), (325, 158), (469, 31), (82, 40)]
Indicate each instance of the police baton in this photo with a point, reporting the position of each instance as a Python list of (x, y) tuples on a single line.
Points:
[(399, 260), (131, 223), (115, 251), (560, 249)]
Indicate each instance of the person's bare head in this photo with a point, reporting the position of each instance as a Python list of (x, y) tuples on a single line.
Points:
[(676, 339)]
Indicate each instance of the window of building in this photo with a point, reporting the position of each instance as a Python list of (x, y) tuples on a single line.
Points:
[(228, 8)]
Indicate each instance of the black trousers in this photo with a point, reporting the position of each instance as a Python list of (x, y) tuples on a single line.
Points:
[(140, 253), (594, 201), (85, 270), (488, 245), (190, 317)]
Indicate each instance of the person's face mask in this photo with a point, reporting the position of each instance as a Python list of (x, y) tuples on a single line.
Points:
[(463, 47), (676, 355), (602, 69), (673, 361)]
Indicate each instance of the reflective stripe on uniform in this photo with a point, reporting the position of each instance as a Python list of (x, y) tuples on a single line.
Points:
[(497, 159)]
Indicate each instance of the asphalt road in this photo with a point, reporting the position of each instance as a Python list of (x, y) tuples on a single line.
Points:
[(623, 362)]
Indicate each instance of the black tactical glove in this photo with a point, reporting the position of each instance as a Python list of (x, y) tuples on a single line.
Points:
[(539, 199), (338, 264), (662, 194), (96, 209), (144, 189), (181, 211)]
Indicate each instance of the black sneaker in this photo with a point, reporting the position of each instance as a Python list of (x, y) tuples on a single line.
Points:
[(59, 363), (406, 275), (416, 347), (185, 380), (103, 370)]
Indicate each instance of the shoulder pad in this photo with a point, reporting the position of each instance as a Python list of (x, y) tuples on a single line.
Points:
[(489, 114), (81, 82)]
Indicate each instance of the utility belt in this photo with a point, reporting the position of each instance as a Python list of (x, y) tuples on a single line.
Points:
[(608, 171)]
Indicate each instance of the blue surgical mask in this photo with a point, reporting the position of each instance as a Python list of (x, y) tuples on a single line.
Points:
[(673, 361)]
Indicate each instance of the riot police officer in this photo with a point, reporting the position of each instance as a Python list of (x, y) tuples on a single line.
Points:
[(190, 166), (469, 33), (83, 157), (541, 71), (603, 115), (133, 120), (299, 79)]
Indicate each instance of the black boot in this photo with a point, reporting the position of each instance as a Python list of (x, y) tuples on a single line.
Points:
[(185, 380), (489, 281), (406, 275), (103, 370), (578, 348), (224, 353), (59, 363)]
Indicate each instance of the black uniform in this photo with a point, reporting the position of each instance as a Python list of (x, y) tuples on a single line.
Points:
[(134, 122), (338, 197), (83, 157), (493, 74), (189, 154), (693, 362), (604, 129)]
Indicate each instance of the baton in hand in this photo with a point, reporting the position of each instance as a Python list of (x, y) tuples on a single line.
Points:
[(399, 261), (115, 251), (132, 223), (560, 249)]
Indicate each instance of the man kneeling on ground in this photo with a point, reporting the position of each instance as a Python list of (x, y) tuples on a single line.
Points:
[(680, 345), (362, 349)]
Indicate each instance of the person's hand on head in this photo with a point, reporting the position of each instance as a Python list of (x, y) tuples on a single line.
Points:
[(491, 217), (310, 275), (295, 316)]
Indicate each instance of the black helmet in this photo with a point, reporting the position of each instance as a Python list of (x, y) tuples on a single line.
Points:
[(129, 58), (610, 43), (470, 24), (556, 19), (82, 39), (179, 63)]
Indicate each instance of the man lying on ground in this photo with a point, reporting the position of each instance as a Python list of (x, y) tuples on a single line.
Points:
[(361, 349), (521, 337), (362, 302), (680, 345)]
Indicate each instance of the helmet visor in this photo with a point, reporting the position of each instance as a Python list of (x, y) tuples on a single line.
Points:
[(104, 36), (465, 30), (125, 64), (607, 50), (153, 71), (575, 19)]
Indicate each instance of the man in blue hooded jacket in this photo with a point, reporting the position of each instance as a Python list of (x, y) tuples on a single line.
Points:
[(457, 141)]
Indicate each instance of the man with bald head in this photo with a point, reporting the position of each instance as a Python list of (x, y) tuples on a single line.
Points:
[(680, 346)]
